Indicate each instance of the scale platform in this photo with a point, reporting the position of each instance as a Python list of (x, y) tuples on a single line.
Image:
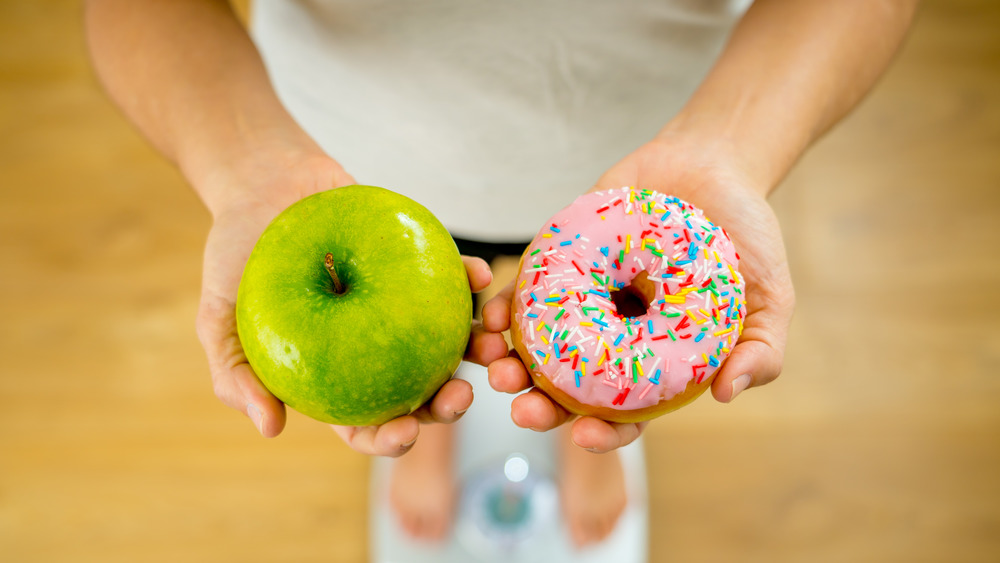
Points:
[(508, 508)]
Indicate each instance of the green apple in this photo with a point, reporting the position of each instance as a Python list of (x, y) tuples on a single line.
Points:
[(354, 306)]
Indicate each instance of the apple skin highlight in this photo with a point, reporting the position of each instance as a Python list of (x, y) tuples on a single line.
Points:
[(386, 344)]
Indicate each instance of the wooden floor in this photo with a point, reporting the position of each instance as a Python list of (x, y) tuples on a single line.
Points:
[(881, 441)]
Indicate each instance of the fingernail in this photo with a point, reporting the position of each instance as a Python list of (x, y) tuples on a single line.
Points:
[(457, 414), (408, 445), (256, 416), (739, 384)]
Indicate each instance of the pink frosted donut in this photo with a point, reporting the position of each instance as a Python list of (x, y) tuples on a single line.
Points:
[(626, 303)]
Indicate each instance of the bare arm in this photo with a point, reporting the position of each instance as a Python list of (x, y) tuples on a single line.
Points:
[(189, 77), (790, 71), (186, 73)]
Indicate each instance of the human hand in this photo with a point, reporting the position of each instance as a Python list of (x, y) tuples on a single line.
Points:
[(722, 186), (274, 183), (397, 436)]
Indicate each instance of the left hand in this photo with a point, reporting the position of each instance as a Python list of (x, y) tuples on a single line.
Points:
[(715, 180)]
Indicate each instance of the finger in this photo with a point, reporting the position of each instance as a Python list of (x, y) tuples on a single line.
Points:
[(535, 411), (392, 439), (758, 356), (233, 380), (496, 311), (508, 375), (239, 388), (479, 273), (601, 436), (751, 364), (448, 404), (485, 347)]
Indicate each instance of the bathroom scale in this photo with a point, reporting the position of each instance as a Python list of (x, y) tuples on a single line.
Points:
[(508, 506)]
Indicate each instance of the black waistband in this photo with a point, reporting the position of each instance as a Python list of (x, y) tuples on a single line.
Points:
[(490, 250)]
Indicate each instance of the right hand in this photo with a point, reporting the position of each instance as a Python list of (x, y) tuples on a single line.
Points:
[(247, 198), (244, 202), (397, 436)]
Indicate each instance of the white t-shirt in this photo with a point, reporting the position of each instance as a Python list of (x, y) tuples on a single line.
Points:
[(493, 114)]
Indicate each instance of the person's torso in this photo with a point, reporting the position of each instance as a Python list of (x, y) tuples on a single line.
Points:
[(492, 114)]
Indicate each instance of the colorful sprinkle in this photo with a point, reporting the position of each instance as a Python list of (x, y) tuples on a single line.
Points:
[(698, 305)]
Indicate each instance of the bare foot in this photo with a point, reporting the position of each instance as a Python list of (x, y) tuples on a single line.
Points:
[(422, 484), (591, 490)]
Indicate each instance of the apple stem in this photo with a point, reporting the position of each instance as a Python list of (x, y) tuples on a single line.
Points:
[(338, 287)]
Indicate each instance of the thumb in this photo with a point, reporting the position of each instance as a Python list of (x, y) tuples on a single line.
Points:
[(759, 354), (239, 388), (233, 379)]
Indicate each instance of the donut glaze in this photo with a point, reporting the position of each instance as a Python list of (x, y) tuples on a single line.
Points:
[(626, 303)]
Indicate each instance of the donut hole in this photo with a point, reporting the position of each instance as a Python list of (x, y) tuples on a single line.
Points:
[(633, 300)]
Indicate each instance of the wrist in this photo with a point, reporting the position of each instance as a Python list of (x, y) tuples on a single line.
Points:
[(733, 141), (710, 161), (276, 173)]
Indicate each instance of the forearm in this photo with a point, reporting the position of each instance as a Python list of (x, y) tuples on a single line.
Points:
[(789, 72), (187, 74)]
